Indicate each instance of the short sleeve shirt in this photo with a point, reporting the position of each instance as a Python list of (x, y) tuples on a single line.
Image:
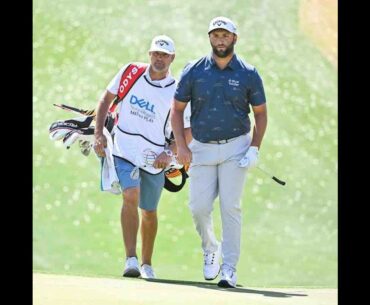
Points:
[(220, 99)]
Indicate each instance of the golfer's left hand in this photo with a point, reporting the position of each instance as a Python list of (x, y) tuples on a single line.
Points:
[(250, 159), (162, 161)]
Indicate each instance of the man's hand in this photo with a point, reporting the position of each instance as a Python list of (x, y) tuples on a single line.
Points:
[(99, 144), (184, 155), (250, 159), (162, 161)]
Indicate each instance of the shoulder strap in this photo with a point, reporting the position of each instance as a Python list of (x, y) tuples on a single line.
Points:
[(128, 79)]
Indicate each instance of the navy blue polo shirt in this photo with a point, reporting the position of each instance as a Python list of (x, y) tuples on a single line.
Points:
[(220, 98)]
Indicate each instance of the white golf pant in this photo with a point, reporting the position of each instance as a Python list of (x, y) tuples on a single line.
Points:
[(214, 172)]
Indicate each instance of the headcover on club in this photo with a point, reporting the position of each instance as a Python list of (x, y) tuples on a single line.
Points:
[(76, 124), (77, 129), (59, 129)]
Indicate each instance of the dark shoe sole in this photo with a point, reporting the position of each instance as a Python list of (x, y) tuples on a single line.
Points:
[(131, 273), (224, 284)]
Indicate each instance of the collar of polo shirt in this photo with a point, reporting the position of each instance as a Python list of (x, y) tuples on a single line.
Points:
[(233, 63)]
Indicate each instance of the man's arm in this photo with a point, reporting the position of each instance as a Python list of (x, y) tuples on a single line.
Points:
[(177, 123), (260, 118), (101, 114), (188, 135), (188, 138)]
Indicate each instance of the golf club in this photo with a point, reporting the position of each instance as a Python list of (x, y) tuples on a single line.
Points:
[(91, 112), (75, 110), (273, 177)]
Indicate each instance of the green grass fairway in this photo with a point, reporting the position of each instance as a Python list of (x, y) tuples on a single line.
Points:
[(289, 232), (75, 290)]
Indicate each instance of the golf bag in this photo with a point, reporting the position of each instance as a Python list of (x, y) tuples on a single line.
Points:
[(69, 131)]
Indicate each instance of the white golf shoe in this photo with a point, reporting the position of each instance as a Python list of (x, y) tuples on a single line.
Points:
[(132, 268), (211, 267), (147, 272), (228, 277)]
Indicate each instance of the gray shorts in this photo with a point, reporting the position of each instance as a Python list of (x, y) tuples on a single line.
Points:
[(150, 185)]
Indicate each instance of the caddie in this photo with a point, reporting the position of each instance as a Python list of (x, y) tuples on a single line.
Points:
[(139, 146)]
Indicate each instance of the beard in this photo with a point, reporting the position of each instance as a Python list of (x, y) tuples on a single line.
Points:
[(159, 67), (225, 53)]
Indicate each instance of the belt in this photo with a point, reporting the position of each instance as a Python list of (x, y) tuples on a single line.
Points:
[(222, 141)]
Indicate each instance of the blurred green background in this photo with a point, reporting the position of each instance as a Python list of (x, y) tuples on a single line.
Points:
[(289, 233)]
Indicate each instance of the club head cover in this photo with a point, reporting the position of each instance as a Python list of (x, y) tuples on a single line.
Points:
[(72, 124), (58, 134)]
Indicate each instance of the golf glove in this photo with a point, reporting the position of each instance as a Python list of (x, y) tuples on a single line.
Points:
[(250, 159)]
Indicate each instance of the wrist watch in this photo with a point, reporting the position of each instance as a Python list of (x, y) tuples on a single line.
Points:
[(168, 152)]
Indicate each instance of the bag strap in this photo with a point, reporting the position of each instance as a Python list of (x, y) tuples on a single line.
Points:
[(172, 187), (128, 79)]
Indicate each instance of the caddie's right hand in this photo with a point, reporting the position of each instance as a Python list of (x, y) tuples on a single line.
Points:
[(162, 161), (99, 144), (184, 155)]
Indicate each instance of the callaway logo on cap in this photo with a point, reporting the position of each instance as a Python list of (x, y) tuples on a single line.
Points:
[(162, 43), (222, 23)]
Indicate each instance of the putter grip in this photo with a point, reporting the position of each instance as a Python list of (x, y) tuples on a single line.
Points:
[(278, 180)]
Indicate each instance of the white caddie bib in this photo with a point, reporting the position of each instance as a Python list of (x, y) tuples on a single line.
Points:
[(143, 114)]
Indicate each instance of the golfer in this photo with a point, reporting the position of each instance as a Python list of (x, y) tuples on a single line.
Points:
[(223, 89)]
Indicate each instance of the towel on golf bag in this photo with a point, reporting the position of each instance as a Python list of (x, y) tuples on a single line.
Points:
[(109, 179)]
